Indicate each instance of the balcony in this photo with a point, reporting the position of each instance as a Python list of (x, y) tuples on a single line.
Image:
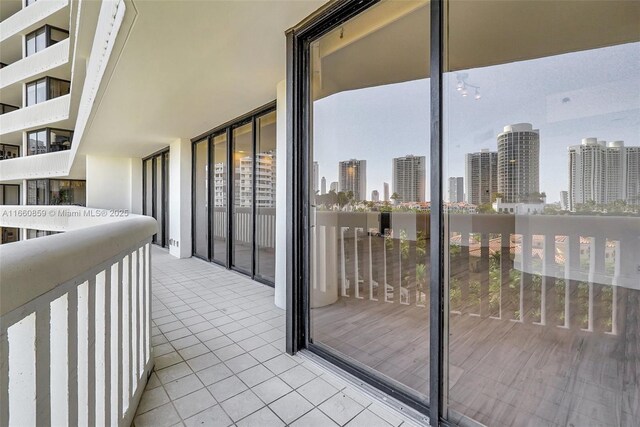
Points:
[(46, 165), (99, 310), (35, 66), (44, 113)]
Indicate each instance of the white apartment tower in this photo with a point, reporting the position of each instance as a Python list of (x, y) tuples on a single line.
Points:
[(603, 173), (323, 185), (456, 189), (385, 191), (518, 163), (265, 189), (409, 178), (352, 176), (375, 196), (481, 175)]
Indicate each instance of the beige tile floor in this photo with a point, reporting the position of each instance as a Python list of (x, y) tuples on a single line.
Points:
[(218, 342)]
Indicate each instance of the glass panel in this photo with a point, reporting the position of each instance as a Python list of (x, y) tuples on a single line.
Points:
[(31, 93), (9, 235), (159, 203), (36, 192), (41, 40), (60, 140), (58, 88), (65, 192), (370, 259), (41, 91), (31, 44), (265, 187), (11, 195), (543, 253), (242, 196), (201, 226), (9, 151), (148, 187), (57, 35), (37, 142), (219, 188)]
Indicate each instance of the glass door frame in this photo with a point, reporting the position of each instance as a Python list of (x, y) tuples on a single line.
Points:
[(298, 117), (160, 155), (227, 128)]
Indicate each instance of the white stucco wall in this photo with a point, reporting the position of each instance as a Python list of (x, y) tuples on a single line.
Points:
[(109, 183), (281, 197), (180, 198)]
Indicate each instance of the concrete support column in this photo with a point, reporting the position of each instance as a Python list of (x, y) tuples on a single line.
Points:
[(180, 198), (111, 182), (281, 197)]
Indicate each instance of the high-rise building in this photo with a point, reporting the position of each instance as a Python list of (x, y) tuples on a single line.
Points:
[(564, 200), (456, 189), (481, 175), (409, 178), (519, 163), (385, 191), (352, 176), (603, 173), (334, 186), (323, 185), (265, 186), (316, 181), (375, 196)]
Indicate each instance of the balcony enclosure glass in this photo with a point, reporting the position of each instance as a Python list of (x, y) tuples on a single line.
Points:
[(56, 192), (48, 141), (476, 253), (8, 151), (44, 89), (237, 201), (42, 38)]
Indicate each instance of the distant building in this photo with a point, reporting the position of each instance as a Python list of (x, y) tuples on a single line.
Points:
[(456, 189), (323, 185), (375, 196), (519, 163), (352, 176), (603, 173), (564, 200), (385, 191), (409, 178), (520, 208), (265, 189), (481, 175), (333, 187)]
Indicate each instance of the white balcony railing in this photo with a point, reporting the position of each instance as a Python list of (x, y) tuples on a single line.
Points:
[(75, 318), (29, 17), (46, 165), (36, 64), (51, 111)]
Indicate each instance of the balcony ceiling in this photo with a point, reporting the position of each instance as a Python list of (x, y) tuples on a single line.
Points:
[(187, 67)]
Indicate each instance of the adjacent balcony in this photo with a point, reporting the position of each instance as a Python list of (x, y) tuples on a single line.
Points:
[(37, 65), (46, 165), (38, 115)]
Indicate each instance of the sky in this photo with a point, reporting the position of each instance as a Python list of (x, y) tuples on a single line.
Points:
[(594, 93)]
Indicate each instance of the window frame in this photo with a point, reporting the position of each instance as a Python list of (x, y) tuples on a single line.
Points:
[(47, 191), (47, 140), (47, 89), (48, 41)]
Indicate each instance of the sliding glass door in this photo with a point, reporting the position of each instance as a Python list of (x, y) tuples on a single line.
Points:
[(369, 232), (466, 205), (155, 179), (234, 194)]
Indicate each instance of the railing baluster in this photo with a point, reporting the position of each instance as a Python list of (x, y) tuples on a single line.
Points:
[(572, 265), (72, 355), (43, 365), (343, 265), (4, 375), (120, 360), (464, 267), (506, 265), (526, 291), (484, 275), (107, 347), (141, 312), (549, 298), (91, 359), (356, 266), (148, 303)]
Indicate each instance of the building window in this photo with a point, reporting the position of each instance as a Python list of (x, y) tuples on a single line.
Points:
[(8, 151), (6, 108), (56, 192), (42, 38), (234, 199), (34, 234), (9, 194), (46, 88), (48, 141)]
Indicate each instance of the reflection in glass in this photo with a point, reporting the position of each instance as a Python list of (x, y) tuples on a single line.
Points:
[(543, 250), (148, 187), (265, 188), (200, 203), (370, 227), (219, 197), (242, 196)]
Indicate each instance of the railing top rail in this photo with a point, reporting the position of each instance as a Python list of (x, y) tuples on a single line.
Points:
[(31, 268)]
